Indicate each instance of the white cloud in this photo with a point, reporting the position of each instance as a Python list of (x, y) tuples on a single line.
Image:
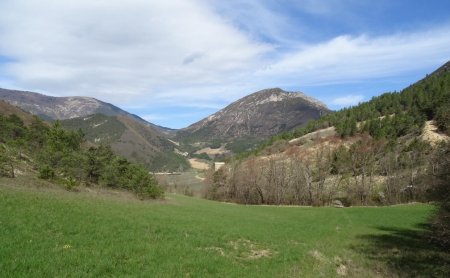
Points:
[(348, 100), (114, 48)]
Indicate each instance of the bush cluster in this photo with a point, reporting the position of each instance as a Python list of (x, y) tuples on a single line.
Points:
[(58, 154)]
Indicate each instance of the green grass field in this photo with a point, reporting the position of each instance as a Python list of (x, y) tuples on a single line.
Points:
[(54, 233)]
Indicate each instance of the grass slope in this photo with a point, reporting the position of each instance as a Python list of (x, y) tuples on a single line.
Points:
[(48, 233)]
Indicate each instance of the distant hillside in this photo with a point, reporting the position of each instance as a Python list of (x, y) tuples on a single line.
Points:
[(131, 139), (104, 123), (61, 108), (98, 128), (255, 117)]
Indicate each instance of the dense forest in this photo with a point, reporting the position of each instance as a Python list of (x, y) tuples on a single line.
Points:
[(64, 157)]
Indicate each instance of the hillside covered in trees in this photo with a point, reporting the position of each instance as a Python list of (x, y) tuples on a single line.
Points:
[(407, 111), (374, 154), (62, 156), (130, 138)]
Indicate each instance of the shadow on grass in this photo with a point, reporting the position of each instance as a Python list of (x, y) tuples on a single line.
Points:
[(405, 253)]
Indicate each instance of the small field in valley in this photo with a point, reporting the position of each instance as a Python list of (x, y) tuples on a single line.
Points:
[(186, 183), (49, 232)]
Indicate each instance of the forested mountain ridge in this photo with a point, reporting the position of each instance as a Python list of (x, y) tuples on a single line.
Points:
[(103, 123)]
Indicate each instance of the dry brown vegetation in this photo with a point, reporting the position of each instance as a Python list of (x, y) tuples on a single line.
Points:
[(356, 171), (430, 134), (199, 164)]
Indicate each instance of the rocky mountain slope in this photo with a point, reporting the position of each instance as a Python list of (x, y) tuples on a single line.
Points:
[(259, 115), (61, 108), (129, 135)]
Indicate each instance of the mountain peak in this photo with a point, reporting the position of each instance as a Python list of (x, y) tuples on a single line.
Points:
[(277, 95), (259, 115), (56, 107)]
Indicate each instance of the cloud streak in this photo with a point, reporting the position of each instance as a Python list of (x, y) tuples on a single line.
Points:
[(346, 59), (348, 100)]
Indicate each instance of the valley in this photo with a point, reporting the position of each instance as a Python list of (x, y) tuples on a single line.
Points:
[(273, 143), (225, 138), (357, 192)]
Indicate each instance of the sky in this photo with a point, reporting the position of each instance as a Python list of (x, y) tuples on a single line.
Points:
[(174, 62)]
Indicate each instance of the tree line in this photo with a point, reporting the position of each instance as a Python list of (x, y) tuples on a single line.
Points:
[(64, 157)]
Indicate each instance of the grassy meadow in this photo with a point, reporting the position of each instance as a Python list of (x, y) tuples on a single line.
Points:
[(48, 232), (187, 182)]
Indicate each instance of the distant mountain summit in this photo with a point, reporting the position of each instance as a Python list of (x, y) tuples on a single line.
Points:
[(58, 108), (259, 115), (240, 125), (62, 108)]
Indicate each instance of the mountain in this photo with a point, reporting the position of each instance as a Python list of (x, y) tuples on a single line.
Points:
[(256, 117), (383, 151), (61, 108), (129, 135)]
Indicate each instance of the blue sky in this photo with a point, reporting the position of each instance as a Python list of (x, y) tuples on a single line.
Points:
[(174, 62)]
